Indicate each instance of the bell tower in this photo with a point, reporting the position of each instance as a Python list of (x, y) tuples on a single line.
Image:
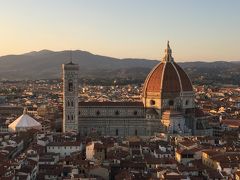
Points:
[(70, 97)]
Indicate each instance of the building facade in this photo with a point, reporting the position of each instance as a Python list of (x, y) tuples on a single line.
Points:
[(116, 119), (167, 105), (64, 148), (70, 97)]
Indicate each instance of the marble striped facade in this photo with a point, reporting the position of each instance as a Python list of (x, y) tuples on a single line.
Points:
[(116, 119)]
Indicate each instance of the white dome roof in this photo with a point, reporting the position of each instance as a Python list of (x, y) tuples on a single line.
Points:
[(23, 123)]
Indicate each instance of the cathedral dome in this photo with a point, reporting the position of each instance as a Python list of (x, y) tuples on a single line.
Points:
[(168, 86), (167, 78)]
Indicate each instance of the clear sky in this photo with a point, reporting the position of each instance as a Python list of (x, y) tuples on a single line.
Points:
[(197, 29)]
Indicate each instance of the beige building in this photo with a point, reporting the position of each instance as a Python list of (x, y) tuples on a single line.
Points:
[(96, 151), (64, 148), (222, 161)]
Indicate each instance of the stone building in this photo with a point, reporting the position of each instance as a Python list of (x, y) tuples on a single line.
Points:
[(167, 105), (70, 97)]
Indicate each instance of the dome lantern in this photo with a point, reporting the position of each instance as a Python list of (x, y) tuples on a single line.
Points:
[(168, 54)]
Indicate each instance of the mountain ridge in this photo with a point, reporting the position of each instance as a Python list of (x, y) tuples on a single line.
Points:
[(46, 64)]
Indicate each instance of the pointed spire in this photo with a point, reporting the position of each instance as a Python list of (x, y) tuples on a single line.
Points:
[(168, 54), (168, 45)]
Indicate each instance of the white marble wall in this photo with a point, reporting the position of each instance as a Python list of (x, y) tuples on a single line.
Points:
[(116, 121)]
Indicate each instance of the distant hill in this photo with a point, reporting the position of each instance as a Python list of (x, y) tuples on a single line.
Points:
[(46, 64)]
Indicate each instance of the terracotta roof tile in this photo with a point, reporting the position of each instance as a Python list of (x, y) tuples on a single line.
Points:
[(186, 83), (167, 77), (153, 82), (171, 82)]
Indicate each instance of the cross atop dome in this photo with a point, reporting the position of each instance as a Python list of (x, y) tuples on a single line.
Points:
[(168, 54)]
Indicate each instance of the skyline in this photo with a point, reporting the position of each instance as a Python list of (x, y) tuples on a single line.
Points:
[(207, 31)]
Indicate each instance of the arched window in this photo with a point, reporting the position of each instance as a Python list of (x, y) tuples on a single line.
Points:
[(72, 103), (72, 117), (68, 103), (170, 102), (98, 113), (70, 86), (186, 102), (68, 117), (117, 112), (136, 133), (116, 132)]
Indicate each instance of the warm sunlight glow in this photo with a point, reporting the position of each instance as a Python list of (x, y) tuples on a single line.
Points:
[(123, 29)]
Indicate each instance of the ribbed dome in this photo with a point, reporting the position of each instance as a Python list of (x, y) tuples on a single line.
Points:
[(167, 78)]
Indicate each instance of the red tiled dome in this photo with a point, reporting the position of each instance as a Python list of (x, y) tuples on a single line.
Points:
[(167, 78)]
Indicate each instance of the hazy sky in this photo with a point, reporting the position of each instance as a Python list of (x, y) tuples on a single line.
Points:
[(196, 29)]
